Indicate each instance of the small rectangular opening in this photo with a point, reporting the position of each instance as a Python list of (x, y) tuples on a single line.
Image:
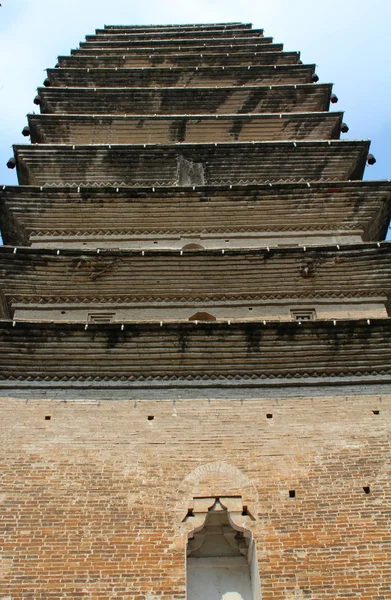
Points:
[(269, 416), (292, 494), (150, 418), (376, 412), (48, 418), (101, 317), (367, 489), (305, 314)]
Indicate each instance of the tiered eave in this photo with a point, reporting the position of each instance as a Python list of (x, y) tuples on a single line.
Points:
[(192, 173)]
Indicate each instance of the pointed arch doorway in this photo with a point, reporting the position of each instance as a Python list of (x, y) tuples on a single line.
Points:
[(221, 555)]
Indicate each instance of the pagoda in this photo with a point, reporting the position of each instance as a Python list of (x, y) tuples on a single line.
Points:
[(195, 349)]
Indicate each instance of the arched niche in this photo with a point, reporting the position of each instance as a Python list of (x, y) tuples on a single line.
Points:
[(193, 246), (221, 555), (202, 316)]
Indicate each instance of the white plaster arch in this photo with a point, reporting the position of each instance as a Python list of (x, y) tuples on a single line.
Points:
[(217, 479)]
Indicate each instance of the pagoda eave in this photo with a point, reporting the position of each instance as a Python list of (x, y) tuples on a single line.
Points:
[(208, 48), (186, 100), (189, 353), (173, 34), (190, 164), (150, 27), (60, 215), (180, 41), (201, 59), (181, 76), (82, 129), (358, 272), (186, 26)]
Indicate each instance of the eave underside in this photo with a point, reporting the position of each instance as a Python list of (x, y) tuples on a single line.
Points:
[(181, 41), (174, 34), (185, 101), (90, 129), (182, 77), (191, 354), (360, 208), (360, 271), (269, 56), (226, 46), (187, 164)]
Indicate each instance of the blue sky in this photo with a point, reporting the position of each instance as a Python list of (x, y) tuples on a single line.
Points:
[(347, 39)]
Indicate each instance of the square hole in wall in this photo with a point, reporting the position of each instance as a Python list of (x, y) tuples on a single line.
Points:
[(48, 417), (292, 494), (303, 314)]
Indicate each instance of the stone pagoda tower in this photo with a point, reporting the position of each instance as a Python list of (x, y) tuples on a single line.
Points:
[(195, 338)]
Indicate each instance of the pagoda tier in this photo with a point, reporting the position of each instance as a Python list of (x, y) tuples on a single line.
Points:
[(269, 284), (202, 47), (88, 129), (195, 354), (241, 217), (186, 101), (221, 45), (190, 164), (221, 27), (181, 76), (182, 41), (173, 34), (182, 60)]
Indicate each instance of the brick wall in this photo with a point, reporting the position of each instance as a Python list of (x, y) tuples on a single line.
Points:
[(92, 500)]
